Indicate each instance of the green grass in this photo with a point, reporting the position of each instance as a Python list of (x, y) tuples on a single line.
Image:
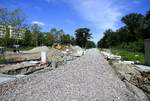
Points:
[(2, 60), (129, 56)]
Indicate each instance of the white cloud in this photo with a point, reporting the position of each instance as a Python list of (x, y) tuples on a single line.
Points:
[(136, 2), (39, 23), (103, 14)]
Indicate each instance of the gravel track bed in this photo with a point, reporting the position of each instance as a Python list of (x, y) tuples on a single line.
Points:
[(88, 78)]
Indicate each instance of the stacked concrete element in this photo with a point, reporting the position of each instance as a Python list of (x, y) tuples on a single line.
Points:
[(43, 57), (147, 51)]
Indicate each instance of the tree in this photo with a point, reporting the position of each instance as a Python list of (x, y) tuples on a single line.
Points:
[(49, 39), (41, 38), (90, 44), (53, 31), (4, 22), (130, 36), (17, 19), (27, 38), (124, 35), (4, 19), (146, 31), (134, 22), (107, 40), (35, 28), (72, 40), (147, 17), (57, 34), (14, 18), (66, 39), (82, 36)]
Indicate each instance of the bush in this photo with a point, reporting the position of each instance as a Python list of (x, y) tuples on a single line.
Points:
[(128, 55), (137, 46), (90, 44)]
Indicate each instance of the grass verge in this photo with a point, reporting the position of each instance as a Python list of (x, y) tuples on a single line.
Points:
[(129, 56)]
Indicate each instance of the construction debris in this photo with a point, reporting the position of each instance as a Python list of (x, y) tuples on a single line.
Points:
[(110, 56), (136, 77), (39, 60), (143, 68), (76, 51), (37, 49)]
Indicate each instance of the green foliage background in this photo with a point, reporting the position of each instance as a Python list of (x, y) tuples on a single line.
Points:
[(129, 37)]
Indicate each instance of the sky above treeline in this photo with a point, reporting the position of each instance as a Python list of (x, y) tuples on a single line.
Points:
[(98, 15)]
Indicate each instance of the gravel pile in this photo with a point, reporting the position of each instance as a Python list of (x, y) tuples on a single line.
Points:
[(88, 78), (38, 49)]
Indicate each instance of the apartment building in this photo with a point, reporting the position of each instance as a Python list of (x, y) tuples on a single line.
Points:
[(13, 33), (2, 31)]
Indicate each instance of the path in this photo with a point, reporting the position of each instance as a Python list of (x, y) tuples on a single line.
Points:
[(88, 78)]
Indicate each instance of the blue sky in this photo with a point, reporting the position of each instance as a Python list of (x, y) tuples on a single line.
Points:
[(98, 15)]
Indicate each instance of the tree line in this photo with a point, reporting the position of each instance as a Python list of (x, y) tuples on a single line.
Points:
[(33, 36), (131, 36)]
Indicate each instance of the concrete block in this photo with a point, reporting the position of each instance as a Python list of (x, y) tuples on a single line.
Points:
[(43, 57), (147, 51)]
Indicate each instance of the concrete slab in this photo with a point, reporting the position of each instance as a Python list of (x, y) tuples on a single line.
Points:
[(4, 78), (147, 51), (143, 68)]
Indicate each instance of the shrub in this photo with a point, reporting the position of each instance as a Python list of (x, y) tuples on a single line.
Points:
[(137, 46), (128, 55), (90, 44)]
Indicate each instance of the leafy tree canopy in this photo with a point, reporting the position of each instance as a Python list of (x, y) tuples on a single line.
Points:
[(131, 36), (82, 36)]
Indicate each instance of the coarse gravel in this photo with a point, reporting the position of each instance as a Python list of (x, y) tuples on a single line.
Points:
[(87, 78)]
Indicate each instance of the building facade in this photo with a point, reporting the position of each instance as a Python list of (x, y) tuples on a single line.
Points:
[(13, 33), (2, 31)]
